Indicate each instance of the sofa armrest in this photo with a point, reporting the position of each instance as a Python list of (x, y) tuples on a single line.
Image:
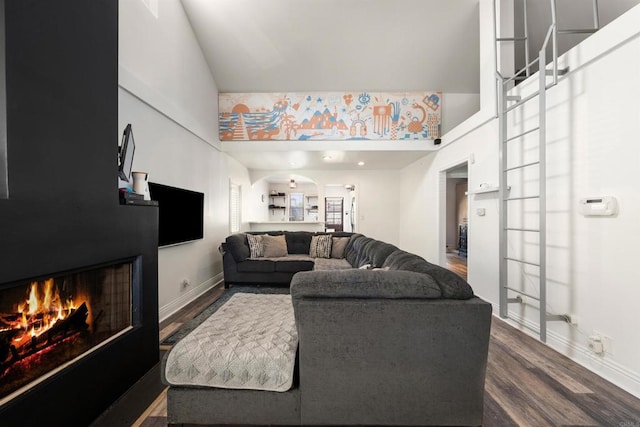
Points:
[(356, 283)]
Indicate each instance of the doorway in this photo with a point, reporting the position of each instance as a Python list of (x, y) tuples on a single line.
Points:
[(334, 220), (334, 213), (456, 219)]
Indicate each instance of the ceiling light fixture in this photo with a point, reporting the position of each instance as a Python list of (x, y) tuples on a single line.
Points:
[(292, 184), (327, 158), (360, 163)]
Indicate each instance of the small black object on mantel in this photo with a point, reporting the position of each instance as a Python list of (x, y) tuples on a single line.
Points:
[(437, 141), (138, 202), (128, 198)]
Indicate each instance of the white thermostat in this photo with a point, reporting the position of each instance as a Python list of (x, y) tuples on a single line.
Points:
[(599, 206)]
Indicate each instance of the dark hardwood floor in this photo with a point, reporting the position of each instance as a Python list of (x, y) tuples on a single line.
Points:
[(527, 384)]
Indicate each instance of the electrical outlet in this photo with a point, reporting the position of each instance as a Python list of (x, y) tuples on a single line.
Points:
[(595, 344), (607, 343)]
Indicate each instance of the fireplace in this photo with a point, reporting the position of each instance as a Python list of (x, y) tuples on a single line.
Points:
[(62, 216), (49, 323)]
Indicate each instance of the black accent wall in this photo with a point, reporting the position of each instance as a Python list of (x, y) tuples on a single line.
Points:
[(63, 211)]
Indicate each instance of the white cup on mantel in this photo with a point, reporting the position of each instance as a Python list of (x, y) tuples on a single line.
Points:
[(141, 184)]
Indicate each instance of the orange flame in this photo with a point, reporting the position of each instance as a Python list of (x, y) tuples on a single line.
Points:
[(42, 309)]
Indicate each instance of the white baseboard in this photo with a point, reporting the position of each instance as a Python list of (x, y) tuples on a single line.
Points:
[(608, 369), (189, 296)]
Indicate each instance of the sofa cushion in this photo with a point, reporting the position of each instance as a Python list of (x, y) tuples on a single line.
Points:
[(355, 283), (320, 246), (338, 245), (292, 266), (236, 245), (255, 245), (298, 241), (331, 264), (377, 252), (256, 266), (274, 246), (451, 285), (355, 252)]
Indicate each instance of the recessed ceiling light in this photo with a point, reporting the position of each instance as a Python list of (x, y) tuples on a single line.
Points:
[(360, 163), (327, 157)]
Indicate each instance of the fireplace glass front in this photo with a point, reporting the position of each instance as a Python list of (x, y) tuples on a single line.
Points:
[(48, 323)]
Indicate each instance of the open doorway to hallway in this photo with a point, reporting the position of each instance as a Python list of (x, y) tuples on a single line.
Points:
[(340, 207), (456, 215)]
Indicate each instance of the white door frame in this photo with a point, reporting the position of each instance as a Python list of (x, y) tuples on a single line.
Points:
[(442, 210)]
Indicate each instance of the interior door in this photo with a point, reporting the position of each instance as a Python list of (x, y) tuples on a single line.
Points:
[(334, 213)]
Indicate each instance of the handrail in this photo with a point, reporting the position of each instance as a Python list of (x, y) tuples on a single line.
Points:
[(543, 67), (554, 42)]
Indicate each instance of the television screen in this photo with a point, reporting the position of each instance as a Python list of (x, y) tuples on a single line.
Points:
[(181, 214), (127, 148)]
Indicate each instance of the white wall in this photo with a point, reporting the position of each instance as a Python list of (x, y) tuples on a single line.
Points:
[(593, 125), (457, 107), (168, 95), (239, 175)]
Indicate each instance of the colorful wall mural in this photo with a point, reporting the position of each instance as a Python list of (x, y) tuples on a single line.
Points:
[(329, 116)]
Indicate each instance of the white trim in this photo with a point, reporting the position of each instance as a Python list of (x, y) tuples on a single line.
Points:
[(237, 213), (189, 296), (442, 208), (159, 102), (606, 368), (442, 217), (425, 145)]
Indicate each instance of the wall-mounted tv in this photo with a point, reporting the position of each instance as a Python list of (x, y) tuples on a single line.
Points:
[(181, 214)]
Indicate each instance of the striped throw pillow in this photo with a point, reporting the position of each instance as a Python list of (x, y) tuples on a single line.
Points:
[(320, 246), (255, 245)]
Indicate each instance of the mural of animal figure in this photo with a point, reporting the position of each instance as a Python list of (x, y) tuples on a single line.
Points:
[(415, 125), (395, 117), (381, 119)]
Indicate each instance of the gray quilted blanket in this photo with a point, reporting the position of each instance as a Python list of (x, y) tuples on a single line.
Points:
[(248, 343)]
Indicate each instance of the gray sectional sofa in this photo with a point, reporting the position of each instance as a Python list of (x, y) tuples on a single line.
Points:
[(399, 342), (241, 268)]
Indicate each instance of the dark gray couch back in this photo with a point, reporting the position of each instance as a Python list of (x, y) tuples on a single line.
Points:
[(365, 250), (298, 242), (451, 285)]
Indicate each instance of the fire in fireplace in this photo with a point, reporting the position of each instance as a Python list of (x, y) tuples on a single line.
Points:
[(46, 324)]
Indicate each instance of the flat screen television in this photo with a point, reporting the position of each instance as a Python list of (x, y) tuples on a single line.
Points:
[(125, 157), (181, 214)]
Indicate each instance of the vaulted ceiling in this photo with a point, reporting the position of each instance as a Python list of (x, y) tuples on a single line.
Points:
[(330, 45), (350, 45), (335, 45)]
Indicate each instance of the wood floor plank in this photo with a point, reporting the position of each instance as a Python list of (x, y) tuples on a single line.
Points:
[(540, 360), (156, 410), (606, 404), (457, 264), (525, 392), (169, 329), (494, 414)]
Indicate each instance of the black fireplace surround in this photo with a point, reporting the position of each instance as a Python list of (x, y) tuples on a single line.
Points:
[(63, 212)]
